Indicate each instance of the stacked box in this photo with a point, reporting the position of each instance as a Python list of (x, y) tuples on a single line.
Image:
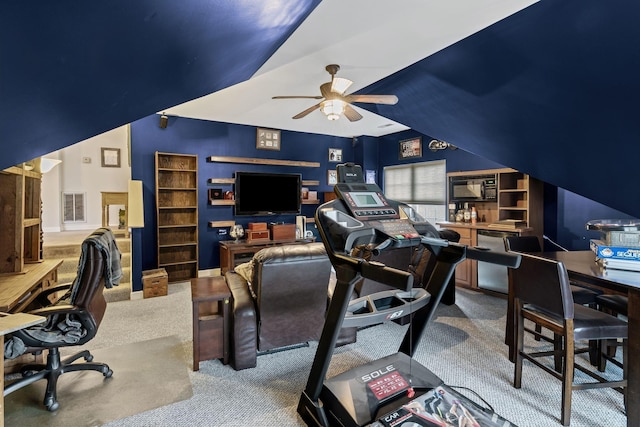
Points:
[(283, 231), (154, 283)]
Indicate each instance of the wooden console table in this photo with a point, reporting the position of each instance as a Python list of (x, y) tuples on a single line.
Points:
[(115, 198), (233, 254)]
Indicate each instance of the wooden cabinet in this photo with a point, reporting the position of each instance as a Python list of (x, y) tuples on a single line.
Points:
[(210, 307), (520, 198), (177, 214), (21, 237), (234, 253), (466, 270)]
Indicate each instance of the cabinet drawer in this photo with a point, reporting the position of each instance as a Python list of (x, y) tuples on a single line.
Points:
[(465, 233)]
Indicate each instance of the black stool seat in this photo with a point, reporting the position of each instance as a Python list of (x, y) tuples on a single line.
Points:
[(584, 296), (616, 303)]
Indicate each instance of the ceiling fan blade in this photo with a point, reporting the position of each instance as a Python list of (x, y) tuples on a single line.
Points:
[(296, 97), (325, 89), (340, 85), (373, 99), (307, 111), (351, 114)]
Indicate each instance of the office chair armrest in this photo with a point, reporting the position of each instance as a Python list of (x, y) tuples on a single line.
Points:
[(42, 299), (57, 309)]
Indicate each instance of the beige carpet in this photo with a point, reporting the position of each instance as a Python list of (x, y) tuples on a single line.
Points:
[(146, 375)]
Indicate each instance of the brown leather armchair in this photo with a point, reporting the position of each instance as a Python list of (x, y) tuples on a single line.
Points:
[(73, 320), (282, 304)]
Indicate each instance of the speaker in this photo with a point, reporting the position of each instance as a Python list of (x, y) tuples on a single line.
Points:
[(301, 227), (164, 120)]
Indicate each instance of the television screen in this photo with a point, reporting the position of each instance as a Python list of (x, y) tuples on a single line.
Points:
[(259, 193)]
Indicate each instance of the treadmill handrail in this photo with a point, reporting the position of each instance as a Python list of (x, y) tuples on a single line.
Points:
[(407, 302)]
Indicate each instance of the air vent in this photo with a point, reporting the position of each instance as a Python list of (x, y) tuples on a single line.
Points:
[(73, 207)]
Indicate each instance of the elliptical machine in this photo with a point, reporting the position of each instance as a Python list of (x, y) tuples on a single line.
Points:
[(362, 217)]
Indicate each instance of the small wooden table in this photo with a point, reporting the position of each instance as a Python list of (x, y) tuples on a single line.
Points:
[(115, 198), (210, 298)]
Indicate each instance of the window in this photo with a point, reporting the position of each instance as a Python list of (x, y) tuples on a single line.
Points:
[(421, 185), (73, 207)]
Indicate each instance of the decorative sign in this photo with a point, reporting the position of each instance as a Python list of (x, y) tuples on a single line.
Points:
[(335, 154), (332, 177), (267, 139), (411, 148)]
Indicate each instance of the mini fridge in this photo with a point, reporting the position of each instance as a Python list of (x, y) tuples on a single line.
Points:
[(491, 276)]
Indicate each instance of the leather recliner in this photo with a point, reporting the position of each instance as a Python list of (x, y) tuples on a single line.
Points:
[(282, 304)]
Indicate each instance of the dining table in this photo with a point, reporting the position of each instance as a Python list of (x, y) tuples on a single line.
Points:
[(583, 270)]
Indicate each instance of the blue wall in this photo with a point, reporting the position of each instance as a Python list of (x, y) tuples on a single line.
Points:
[(204, 138), (565, 213)]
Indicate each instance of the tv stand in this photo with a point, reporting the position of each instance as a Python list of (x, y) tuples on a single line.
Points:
[(234, 253)]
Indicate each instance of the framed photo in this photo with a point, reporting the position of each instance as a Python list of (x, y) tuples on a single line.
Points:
[(332, 177), (335, 154), (410, 148), (110, 157), (267, 139)]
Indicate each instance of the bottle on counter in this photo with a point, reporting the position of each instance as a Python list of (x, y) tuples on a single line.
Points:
[(467, 213), (460, 215), (474, 215)]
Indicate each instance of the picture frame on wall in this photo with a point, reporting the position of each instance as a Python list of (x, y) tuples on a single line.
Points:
[(335, 154), (409, 148), (268, 139), (332, 177), (110, 157)]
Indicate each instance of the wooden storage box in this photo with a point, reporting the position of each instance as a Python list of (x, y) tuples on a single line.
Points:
[(259, 235), (257, 226), (283, 231), (154, 283)]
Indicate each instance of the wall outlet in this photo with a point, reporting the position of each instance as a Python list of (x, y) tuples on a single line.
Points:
[(86, 160), (222, 231)]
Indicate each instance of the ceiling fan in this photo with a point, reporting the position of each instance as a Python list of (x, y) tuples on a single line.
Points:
[(335, 102)]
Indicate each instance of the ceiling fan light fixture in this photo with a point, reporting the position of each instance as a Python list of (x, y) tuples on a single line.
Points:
[(332, 108)]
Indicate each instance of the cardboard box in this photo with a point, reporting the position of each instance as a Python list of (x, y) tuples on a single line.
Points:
[(154, 283), (283, 231), (604, 251)]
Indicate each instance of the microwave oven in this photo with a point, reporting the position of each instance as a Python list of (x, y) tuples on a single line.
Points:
[(473, 188)]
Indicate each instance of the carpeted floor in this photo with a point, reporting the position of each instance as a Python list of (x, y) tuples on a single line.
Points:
[(147, 375), (464, 346)]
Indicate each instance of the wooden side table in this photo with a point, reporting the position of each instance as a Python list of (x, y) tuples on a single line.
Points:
[(210, 298)]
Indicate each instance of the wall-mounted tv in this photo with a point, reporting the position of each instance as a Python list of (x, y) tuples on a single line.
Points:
[(259, 193)]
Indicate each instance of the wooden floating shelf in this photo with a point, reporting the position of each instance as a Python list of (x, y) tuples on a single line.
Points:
[(222, 202), (310, 202), (221, 223), (255, 161), (221, 181)]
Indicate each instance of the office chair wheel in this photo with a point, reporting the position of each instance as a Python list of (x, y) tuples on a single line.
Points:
[(51, 404), (108, 374), (89, 358)]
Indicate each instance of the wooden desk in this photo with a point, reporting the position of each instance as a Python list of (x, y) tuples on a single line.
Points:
[(115, 198), (582, 269), (19, 289), (10, 323)]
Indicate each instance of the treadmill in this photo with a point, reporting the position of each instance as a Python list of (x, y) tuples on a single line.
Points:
[(394, 390)]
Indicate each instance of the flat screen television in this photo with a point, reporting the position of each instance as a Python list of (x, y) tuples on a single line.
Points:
[(259, 193)]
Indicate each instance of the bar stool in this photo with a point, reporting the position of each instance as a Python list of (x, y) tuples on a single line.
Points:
[(616, 305)]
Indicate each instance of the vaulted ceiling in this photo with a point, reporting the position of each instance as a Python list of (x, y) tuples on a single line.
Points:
[(546, 87)]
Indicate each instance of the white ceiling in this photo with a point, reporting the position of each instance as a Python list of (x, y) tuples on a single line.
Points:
[(369, 39)]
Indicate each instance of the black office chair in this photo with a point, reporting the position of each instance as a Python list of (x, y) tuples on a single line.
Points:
[(542, 295), (72, 320)]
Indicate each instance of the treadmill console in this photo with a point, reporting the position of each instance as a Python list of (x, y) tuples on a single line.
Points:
[(366, 201)]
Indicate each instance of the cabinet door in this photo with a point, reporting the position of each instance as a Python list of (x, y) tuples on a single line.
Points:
[(465, 271)]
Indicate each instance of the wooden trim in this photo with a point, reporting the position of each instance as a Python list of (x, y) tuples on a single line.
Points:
[(255, 161)]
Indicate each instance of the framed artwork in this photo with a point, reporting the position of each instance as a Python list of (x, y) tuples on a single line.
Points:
[(332, 177), (410, 148), (335, 154), (110, 157), (267, 139)]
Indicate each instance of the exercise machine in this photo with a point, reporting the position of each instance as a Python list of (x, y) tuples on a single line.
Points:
[(386, 391)]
